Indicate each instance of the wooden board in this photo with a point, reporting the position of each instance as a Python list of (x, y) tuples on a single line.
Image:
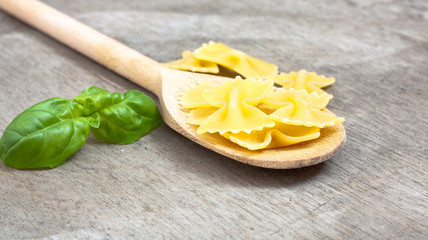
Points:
[(165, 186)]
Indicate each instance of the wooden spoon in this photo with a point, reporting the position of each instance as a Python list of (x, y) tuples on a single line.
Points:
[(167, 84)]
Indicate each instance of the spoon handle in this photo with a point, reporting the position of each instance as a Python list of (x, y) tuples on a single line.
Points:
[(97, 46)]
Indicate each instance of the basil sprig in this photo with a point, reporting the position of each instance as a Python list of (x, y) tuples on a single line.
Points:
[(124, 118), (48, 133)]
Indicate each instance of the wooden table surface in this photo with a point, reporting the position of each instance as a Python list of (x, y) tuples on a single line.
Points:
[(165, 186)]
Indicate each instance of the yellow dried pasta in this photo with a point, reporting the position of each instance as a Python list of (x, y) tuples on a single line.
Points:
[(235, 60), (236, 102), (303, 80), (279, 97), (190, 63), (192, 97), (298, 107), (280, 135), (300, 112), (256, 115), (199, 115), (252, 112)]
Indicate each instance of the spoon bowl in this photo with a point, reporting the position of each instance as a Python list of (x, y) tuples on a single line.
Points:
[(303, 154), (168, 84)]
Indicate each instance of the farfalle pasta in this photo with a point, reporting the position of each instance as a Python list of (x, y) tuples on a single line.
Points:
[(309, 81), (280, 135), (300, 113), (193, 98), (235, 60), (206, 58), (233, 105), (279, 96), (256, 115), (252, 112), (188, 62), (298, 107)]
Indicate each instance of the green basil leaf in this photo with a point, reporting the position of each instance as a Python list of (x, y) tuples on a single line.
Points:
[(124, 118), (94, 99), (46, 134)]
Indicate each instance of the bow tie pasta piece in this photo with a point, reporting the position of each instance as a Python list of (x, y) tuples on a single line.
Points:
[(303, 80), (199, 115), (279, 136), (236, 101), (299, 112), (235, 60), (280, 97), (190, 63), (192, 97)]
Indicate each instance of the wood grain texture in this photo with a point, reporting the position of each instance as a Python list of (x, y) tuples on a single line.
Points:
[(165, 186)]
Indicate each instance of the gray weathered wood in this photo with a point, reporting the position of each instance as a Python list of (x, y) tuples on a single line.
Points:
[(165, 186)]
